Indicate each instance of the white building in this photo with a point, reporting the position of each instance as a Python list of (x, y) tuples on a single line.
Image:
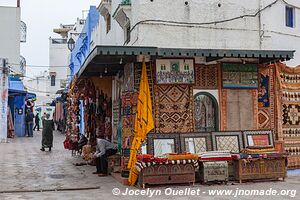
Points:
[(13, 31), (59, 56), (214, 24)]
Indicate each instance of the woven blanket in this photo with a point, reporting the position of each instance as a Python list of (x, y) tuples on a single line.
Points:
[(215, 155), (288, 85), (173, 108), (206, 76), (141, 165)]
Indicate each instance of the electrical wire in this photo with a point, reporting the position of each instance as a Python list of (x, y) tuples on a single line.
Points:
[(40, 66), (198, 24)]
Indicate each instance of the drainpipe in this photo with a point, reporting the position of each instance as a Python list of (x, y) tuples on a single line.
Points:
[(260, 32), (18, 3)]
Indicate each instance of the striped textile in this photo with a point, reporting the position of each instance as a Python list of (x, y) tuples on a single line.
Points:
[(141, 165)]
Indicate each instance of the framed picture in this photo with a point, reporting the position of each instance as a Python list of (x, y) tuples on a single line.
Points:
[(227, 141), (160, 144), (258, 138), (239, 75), (170, 71), (195, 142)]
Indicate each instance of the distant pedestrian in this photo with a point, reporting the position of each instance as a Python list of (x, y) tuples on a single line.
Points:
[(47, 134), (37, 122), (29, 123)]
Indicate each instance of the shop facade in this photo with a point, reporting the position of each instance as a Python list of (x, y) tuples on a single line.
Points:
[(203, 100)]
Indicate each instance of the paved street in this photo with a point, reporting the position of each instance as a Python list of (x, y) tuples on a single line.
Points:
[(28, 173)]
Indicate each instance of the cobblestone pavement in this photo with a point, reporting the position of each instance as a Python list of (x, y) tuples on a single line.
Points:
[(28, 173)]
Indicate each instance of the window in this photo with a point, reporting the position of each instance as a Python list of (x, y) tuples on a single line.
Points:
[(108, 22), (290, 16), (52, 80), (127, 34), (205, 112)]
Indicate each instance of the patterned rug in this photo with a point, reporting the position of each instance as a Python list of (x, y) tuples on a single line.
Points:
[(288, 82), (266, 98), (173, 108), (206, 77)]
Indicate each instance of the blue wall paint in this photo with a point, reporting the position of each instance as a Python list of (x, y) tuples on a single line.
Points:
[(19, 104), (16, 102), (82, 45)]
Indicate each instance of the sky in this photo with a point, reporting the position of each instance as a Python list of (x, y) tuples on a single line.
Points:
[(41, 16)]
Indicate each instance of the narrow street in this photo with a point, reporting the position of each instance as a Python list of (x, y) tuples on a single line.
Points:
[(28, 173)]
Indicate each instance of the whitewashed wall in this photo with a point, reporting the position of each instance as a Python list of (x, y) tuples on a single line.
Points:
[(266, 30), (276, 35), (242, 33), (10, 23), (58, 62)]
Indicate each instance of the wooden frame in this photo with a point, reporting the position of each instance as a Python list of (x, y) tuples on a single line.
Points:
[(237, 134), (174, 60), (237, 86), (258, 132), (207, 137), (152, 136)]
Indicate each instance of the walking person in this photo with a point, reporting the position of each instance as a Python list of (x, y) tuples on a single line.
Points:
[(29, 123), (104, 149), (37, 122), (47, 134)]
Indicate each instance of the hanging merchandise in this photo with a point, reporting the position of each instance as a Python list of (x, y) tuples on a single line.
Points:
[(144, 123)]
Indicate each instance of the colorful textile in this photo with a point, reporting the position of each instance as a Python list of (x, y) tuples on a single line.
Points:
[(288, 98), (139, 166), (263, 94), (173, 108), (183, 156), (266, 100), (206, 77), (144, 123)]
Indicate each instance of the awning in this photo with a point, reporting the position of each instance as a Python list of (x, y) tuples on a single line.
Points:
[(12, 92), (30, 95), (111, 59)]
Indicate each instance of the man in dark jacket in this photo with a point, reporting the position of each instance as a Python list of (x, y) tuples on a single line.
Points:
[(29, 123), (104, 149), (37, 122)]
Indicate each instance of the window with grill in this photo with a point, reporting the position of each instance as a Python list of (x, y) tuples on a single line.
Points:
[(53, 80)]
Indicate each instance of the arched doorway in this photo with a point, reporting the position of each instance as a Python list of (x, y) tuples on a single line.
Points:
[(205, 112)]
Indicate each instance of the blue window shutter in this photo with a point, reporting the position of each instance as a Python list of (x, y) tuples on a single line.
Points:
[(289, 16)]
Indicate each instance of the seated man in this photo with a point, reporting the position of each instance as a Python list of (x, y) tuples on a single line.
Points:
[(104, 149)]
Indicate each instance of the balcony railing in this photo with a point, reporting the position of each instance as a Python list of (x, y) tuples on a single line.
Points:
[(59, 41)]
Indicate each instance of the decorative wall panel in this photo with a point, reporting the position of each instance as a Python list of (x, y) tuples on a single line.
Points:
[(258, 138), (227, 141), (173, 108), (175, 71), (196, 142), (206, 77), (239, 75)]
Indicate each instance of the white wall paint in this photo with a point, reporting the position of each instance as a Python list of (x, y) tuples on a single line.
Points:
[(10, 23), (266, 30), (58, 62)]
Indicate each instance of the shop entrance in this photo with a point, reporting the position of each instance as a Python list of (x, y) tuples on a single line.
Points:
[(205, 112)]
